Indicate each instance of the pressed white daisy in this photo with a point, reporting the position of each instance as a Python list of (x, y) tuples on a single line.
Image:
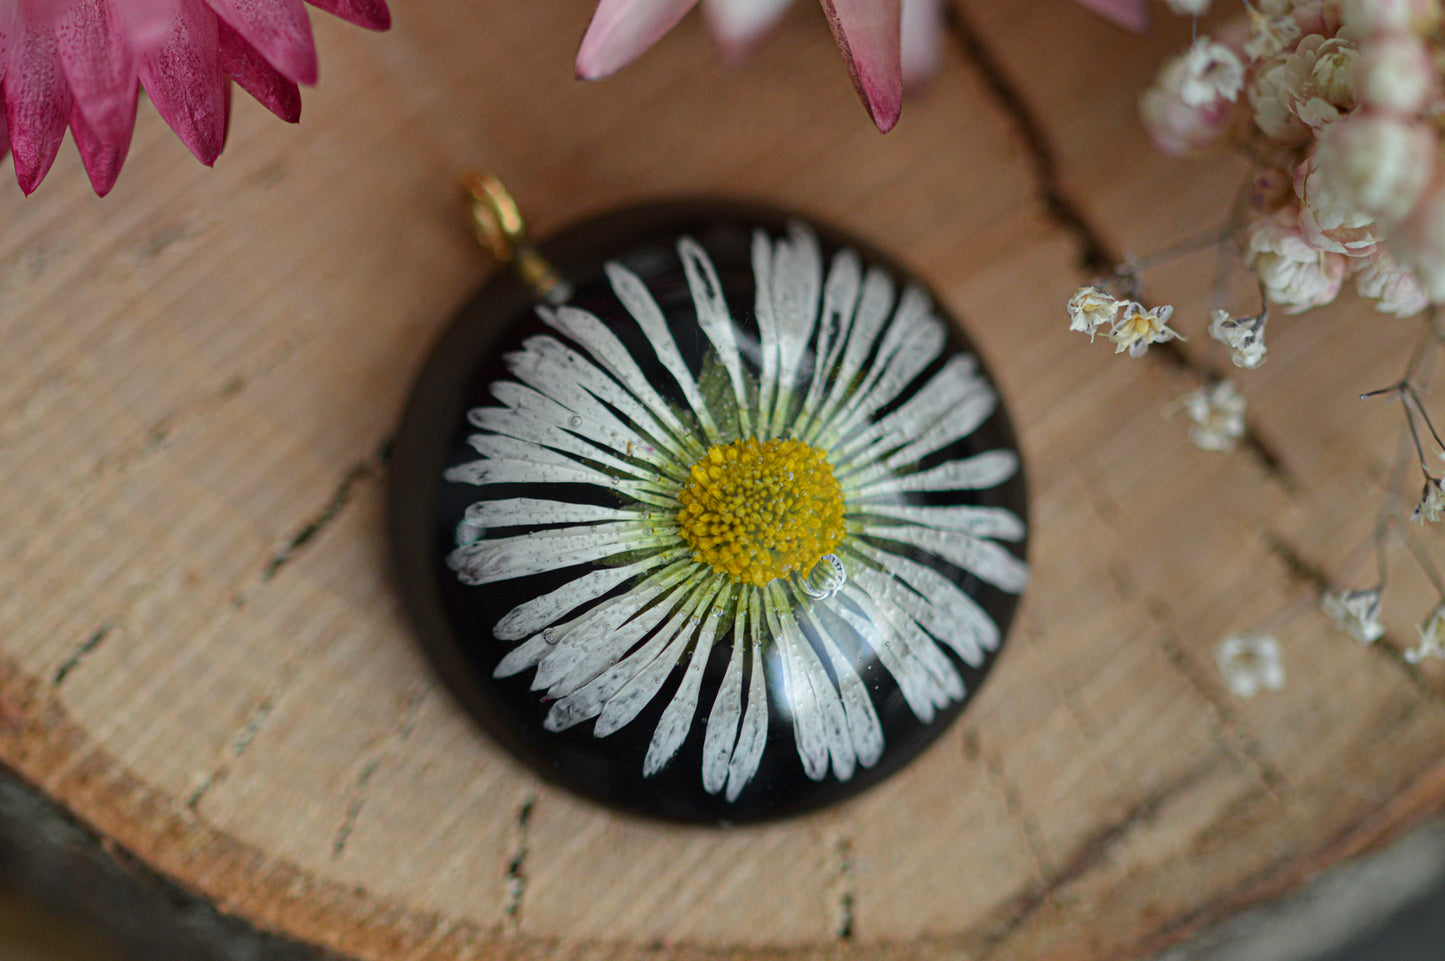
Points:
[(779, 492)]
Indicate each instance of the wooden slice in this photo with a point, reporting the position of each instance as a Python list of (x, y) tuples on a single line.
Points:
[(202, 656)]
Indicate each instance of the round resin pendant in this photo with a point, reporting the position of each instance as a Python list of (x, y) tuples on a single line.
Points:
[(726, 524)]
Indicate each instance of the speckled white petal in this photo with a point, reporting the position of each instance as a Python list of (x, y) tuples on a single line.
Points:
[(716, 322), (510, 423), (534, 615), (864, 732), (840, 300), (482, 516), (767, 331), (572, 380), (943, 610), (811, 727), (995, 522), (957, 424), (638, 692), (495, 470), (985, 559), (979, 472), (797, 283), (503, 558), (956, 383), (589, 699), (610, 353), (753, 736), (676, 721), (727, 710), (544, 420), (914, 643), (861, 333), (594, 642), (639, 303), (918, 688), (913, 339)]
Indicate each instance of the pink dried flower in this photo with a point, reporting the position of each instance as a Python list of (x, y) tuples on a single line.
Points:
[(1371, 166), (78, 63), (885, 42), (1295, 274), (1372, 16), (1419, 242), (1191, 103), (1395, 73), (1391, 287)]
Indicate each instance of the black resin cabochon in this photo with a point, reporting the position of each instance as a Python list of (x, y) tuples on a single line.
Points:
[(732, 532)]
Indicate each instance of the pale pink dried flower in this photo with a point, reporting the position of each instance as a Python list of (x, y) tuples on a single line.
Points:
[(78, 63), (1192, 101), (1294, 273), (884, 42), (1390, 286), (1319, 79), (1364, 17), (1419, 242), (1371, 166)]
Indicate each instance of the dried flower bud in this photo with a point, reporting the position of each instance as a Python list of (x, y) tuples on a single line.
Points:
[(1431, 506), (1432, 637), (1091, 308), (1217, 412), (1244, 336), (1190, 104), (1364, 17), (1355, 612), (1250, 663), (1137, 328), (1371, 166)]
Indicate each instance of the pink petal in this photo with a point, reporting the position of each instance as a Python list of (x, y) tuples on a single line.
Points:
[(922, 33), (371, 14), (103, 158), (867, 31), (258, 78), (100, 68), (622, 29), (278, 29), (1129, 14), (738, 24), (183, 77), (147, 23), (45, 13), (37, 104)]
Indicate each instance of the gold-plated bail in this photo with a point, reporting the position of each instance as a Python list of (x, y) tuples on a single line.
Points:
[(502, 231)]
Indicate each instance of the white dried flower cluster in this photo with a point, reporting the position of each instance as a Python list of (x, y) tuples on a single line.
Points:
[(1250, 663), (1432, 637), (1244, 336), (1217, 413), (1339, 101), (1131, 326), (1357, 613)]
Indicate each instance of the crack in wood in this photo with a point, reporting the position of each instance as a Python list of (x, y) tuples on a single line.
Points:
[(1013, 801), (406, 723), (847, 893), (516, 885), (1313, 576), (86, 648), (238, 747), (1090, 853), (340, 497)]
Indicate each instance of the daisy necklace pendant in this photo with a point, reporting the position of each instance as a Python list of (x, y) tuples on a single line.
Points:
[(706, 512)]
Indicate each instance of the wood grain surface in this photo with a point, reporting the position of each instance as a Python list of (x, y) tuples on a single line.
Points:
[(201, 651)]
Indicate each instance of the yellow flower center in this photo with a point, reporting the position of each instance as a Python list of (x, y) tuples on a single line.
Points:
[(759, 510)]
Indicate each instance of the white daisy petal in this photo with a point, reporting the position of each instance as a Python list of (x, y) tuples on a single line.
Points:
[(530, 415), (840, 300), (727, 711), (635, 297), (585, 647), (914, 643), (533, 616), (985, 559), (955, 425), (638, 692), (860, 332), (676, 721), (823, 701), (767, 331), (949, 615), (716, 322), (575, 382), (808, 721), (979, 472), (956, 386), (504, 558), (797, 282), (996, 522), (920, 691), (753, 736), (865, 733), (913, 340), (533, 512)]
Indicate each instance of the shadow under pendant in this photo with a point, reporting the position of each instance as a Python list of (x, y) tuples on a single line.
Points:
[(729, 530)]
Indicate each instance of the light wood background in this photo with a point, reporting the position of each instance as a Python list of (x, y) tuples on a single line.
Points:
[(202, 656)]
